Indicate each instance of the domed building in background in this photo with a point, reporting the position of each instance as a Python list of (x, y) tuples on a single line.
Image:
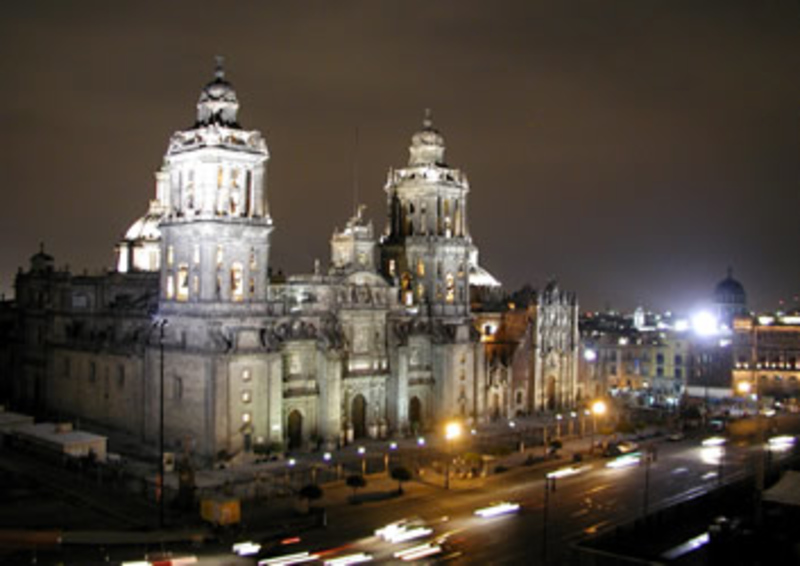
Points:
[(730, 300)]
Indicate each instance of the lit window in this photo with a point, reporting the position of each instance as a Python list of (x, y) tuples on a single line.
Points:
[(451, 288), (220, 175), (183, 282), (392, 267), (420, 268), (247, 396), (170, 255), (219, 256), (420, 291), (196, 254), (237, 284), (246, 417), (246, 375), (195, 285), (170, 286)]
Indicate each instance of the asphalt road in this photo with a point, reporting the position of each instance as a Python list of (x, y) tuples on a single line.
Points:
[(583, 504)]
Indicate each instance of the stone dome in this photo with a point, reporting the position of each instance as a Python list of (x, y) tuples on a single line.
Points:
[(218, 104), (427, 144), (145, 228), (730, 291)]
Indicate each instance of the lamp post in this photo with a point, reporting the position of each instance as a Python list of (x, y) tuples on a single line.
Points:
[(599, 409), (648, 458), (451, 431), (161, 484), (549, 485), (362, 452)]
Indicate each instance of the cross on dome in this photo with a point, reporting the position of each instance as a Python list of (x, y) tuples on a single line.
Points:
[(427, 120), (220, 70)]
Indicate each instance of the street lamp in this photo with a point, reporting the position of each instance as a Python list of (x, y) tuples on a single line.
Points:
[(599, 409), (361, 452), (452, 431)]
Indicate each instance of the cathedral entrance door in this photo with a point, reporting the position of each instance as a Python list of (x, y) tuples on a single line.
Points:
[(358, 416), (295, 430), (415, 414)]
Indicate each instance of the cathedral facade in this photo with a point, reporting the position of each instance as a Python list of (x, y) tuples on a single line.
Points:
[(384, 341)]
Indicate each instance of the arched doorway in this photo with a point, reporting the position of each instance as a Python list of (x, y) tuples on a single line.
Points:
[(415, 414), (358, 415), (551, 393), (295, 429)]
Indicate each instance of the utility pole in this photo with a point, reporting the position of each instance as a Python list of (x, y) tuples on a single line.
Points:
[(759, 427), (161, 483)]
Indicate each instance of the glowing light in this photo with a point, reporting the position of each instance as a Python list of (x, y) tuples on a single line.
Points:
[(711, 455), (681, 325), (416, 552), (743, 387), (565, 472), (327, 456), (246, 548), (705, 324), (713, 441), (502, 508), (286, 560), (512, 424), (393, 446), (589, 355), (421, 441), (781, 443), (625, 461), (361, 450), (599, 408), (359, 558), (452, 430), (291, 462)]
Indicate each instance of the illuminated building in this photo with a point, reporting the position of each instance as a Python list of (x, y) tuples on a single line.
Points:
[(383, 341)]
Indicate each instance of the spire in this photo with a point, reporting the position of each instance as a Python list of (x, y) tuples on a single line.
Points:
[(219, 72)]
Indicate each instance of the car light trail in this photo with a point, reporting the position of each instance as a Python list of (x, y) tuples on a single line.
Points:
[(416, 552), (625, 461), (246, 548), (359, 558), (289, 559), (498, 509)]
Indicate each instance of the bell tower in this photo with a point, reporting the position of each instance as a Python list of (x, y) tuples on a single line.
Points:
[(427, 244), (216, 228)]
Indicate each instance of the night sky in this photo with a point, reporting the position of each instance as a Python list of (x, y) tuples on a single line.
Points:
[(633, 149)]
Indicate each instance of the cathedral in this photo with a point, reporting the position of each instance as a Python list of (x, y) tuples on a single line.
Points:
[(394, 336)]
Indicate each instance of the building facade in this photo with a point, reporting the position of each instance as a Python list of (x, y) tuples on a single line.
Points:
[(383, 341)]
